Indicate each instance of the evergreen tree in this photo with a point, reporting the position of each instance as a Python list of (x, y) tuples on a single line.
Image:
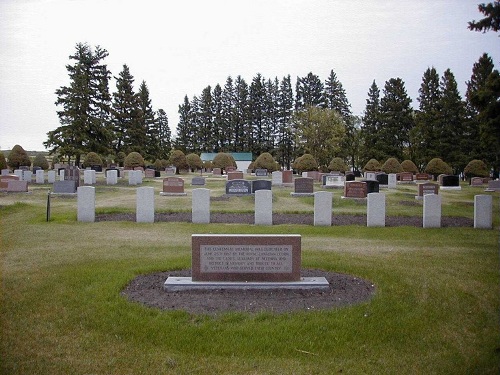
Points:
[(242, 134), (309, 92), (451, 132), (228, 115), (492, 19), (130, 134), (371, 126), (205, 125), (427, 119), (164, 135), (147, 121), (396, 120), (184, 134), (285, 143), (336, 98), (85, 103), (256, 104), (218, 119), (195, 127), (271, 115)]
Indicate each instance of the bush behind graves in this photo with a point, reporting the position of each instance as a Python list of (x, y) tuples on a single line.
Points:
[(372, 165), (392, 165), (223, 160), (476, 168), (18, 157), (338, 164), (92, 159), (305, 163), (120, 158), (134, 159), (265, 161), (160, 164), (41, 161), (3, 162), (409, 166), (194, 161), (178, 159), (437, 166)]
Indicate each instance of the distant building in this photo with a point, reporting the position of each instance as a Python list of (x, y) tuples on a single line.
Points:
[(242, 159)]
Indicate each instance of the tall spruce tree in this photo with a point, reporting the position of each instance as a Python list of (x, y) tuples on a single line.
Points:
[(270, 120), (451, 133), (147, 121), (218, 119), (425, 139), (164, 135), (396, 120), (309, 92), (130, 133), (285, 136), (335, 97), (85, 104), (228, 115), (205, 122), (242, 132), (184, 132), (257, 96), (371, 126)]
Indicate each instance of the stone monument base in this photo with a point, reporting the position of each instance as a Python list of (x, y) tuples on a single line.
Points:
[(175, 283), (172, 194)]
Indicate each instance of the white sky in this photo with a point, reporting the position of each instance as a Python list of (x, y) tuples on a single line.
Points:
[(181, 47)]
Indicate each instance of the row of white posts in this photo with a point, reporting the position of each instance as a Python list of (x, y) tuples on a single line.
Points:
[(375, 212)]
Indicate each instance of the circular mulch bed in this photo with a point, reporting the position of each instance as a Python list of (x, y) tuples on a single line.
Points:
[(345, 290)]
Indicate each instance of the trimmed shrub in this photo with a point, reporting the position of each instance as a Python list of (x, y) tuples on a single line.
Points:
[(265, 161), (3, 162), (160, 164), (18, 157), (436, 167), (305, 163), (409, 166), (132, 160), (207, 164), (338, 164), (372, 165), (194, 161), (41, 161), (392, 166), (120, 158), (92, 159), (476, 168), (178, 159), (223, 160)]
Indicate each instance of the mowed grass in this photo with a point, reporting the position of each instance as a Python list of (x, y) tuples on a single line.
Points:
[(436, 306)]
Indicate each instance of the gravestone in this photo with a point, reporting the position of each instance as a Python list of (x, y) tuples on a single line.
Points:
[(421, 176), (382, 178), (145, 205), (134, 177), (61, 172), (19, 173), (5, 172), (406, 177), (96, 168), (149, 173), (170, 171), (370, 175), (112, 176), (238, 187), (277, 178), (40, 176), (13, 184), (450, 182), (173, 186), (86, 203), (200, 210), (234, 175), (261, 172), (27, 175), (372, 186), (303, 186), (375, 210), (64, 187), (51, 177), (287, 177), (427, 188), (261, 185), (246, 257), (72, 173), (263, 207), (392, 181), (139, 169), (323, 208), (349, 176), (432, 211), (493, 185), (113, 169), (333, 181), (198, 181), (217, 171), (476, 181), (483, 214), (231, 169), (355, 189), (88, 176)]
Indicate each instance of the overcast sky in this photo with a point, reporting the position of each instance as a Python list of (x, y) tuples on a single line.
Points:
[(181, 47)]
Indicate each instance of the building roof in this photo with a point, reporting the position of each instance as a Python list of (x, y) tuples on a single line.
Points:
[(238, 156)]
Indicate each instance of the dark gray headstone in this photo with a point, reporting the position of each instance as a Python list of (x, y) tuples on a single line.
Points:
[(261, 185), (372, 186), (450, 180), (198, 181), (382, 178), (261, 172), (64, 187), (113, 169), (304, 185), (238, 187), (350, 177)]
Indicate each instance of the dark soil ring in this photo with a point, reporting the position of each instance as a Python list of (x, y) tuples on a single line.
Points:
[(345, 290)]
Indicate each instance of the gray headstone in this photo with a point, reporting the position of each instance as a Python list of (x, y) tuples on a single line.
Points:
[(145, 205), (27, 175), (5, 172), (238, 187), (112, 177), (40, 176), (392, 181), (277, 178), (198, 181), (432, 211), (88, 178), (201, 206), (64, 187), (375, 210), (51, 177), (261, 185), (264, 207), (86, 204), (323, 208), (483, 205)]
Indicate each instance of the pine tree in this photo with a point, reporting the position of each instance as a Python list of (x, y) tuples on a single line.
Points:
[(396, 120), (451, 134), (271, 115), (285, 154), (206, 122), (85, 103), (218, 119), (183, 140), (228, 115), (130, 135), (242, 135), (147, 121), (371, 126), (427, 119), (164, 135), (309, 92), (336, 98), (256, 113)]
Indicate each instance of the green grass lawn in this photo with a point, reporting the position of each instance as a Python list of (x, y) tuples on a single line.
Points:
[(435, 311)]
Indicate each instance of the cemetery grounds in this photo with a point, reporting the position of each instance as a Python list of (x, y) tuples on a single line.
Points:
[(435, 309)]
